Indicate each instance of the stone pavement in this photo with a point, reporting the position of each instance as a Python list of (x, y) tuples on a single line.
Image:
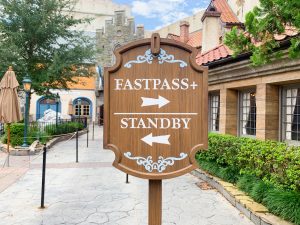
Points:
[(93, 192)]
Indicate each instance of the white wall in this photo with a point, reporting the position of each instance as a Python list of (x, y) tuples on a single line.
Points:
[(65, 97)]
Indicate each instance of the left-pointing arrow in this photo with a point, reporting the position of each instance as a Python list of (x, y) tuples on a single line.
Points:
[(149, 139), (160, 101)]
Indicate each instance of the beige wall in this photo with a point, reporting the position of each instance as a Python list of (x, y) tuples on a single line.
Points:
[(101, 10), (211, 33), (65, 97), (242, 10), (174, 28)]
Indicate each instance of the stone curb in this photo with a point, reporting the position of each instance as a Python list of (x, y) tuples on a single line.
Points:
[(256, 212)]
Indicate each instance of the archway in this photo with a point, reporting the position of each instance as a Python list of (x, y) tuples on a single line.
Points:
[(45, 103)]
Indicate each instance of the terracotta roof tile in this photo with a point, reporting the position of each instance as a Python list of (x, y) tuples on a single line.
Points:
[(222, 51), (195, 39), (173, 37), (227, 15)]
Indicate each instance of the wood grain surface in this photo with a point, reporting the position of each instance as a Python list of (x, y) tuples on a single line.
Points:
[(127, 122)]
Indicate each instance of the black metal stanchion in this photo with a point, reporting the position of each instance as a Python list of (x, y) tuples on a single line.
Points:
[(93, 138), (77, 146), (87, 137), (43, 177), (127, 178)]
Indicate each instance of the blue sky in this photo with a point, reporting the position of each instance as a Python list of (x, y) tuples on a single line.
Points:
[(158, 13)]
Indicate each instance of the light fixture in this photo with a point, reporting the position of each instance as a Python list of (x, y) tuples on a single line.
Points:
[(27, 84)]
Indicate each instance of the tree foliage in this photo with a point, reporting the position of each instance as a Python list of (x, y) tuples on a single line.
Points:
[(39, 38), (271, 18)]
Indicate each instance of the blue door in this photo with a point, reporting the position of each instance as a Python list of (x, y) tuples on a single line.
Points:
[(44, 104)]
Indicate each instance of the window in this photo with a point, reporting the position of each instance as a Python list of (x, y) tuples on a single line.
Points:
[(214, 112), (248, 113), (83, 109), (291, 114)]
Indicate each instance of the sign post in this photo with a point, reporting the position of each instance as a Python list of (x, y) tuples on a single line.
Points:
[(155, 116)]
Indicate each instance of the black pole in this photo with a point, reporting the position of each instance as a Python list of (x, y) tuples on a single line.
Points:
[(93, 130), (43, 177), (87, 137), (77, 146), (127, 178)]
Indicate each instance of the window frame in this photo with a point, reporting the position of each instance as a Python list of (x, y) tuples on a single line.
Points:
[(240, 113), (210, 97), (283, 108)]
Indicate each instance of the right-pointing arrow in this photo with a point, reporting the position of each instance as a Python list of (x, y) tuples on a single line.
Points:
[(149, 139), (160, 101)]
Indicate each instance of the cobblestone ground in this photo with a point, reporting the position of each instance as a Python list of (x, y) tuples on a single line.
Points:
[(92, 192)]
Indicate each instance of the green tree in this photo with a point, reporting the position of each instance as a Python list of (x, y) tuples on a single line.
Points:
[(262, 23), (39, 37)]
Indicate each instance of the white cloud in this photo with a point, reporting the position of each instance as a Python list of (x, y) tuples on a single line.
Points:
[(197, 9), (167, 11)]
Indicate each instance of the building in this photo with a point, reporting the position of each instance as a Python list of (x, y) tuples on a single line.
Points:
[(68, 100), (174, 28), (118, 31), (193, 39), (105, 14), (260, 102), (97, 10)]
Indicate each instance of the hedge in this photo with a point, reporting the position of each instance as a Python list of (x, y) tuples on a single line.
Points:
[(63, 128), (268, 171), (35, 133), (274, 162), (282, 202)]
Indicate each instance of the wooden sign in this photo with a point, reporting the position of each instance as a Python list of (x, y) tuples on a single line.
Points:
[(155, 109)]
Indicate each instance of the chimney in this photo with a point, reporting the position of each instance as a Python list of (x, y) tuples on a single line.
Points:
[(184, 31), (211, 28)]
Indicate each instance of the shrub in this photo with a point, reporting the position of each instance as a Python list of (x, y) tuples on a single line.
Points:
[(35, 133), (63, 128), (17, 134), (274, 162), (268, 171)]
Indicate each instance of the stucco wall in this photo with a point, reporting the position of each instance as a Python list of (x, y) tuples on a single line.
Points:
[(174, 28), (65, 97), (211, 33)]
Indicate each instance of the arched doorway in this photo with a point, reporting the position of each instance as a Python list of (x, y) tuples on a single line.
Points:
[(45, 103), (85, 109)]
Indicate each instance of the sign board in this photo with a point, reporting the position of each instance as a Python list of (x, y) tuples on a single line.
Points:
[(155, 108)]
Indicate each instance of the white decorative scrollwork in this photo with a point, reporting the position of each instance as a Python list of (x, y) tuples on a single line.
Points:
[(161, 165), (162, 58)]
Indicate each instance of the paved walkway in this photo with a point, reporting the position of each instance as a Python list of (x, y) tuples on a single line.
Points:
[(93, 192)]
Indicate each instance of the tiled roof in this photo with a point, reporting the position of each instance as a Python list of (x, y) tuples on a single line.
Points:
[(222, 51), (227, 15), (173, 37), (195, 38)]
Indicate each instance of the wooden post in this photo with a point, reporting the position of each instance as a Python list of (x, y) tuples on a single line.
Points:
[(155, 202)]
